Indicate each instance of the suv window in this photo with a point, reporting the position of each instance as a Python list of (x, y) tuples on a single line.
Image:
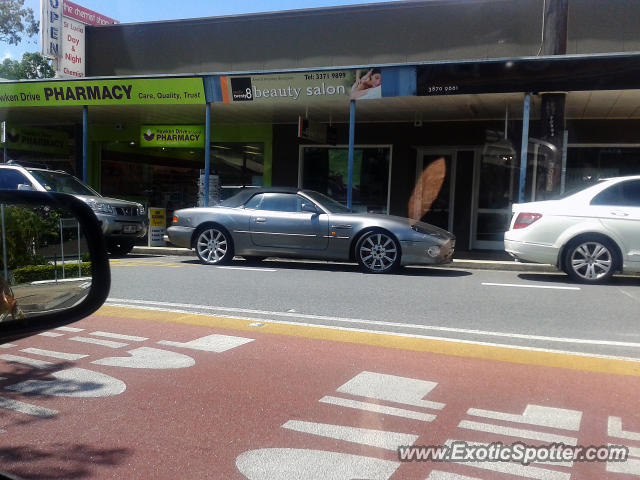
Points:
[(10, 179), (277, 202), (624, 194)]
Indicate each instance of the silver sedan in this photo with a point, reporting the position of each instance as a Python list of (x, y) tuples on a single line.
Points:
[(288, 222)]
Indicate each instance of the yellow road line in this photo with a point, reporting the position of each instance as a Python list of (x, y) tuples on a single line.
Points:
[(445, 347)]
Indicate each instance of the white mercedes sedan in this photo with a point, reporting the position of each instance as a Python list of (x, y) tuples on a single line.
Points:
[(590, 234)]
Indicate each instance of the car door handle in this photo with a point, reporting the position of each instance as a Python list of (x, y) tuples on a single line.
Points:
[(261, 220), (620, 214)]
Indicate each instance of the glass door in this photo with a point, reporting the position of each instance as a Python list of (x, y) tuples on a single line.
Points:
[(433, 194)]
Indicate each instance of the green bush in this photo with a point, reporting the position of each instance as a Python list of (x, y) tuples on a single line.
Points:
[(33, 273)]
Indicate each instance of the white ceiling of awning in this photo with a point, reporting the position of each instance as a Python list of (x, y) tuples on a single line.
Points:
[(623, 104)]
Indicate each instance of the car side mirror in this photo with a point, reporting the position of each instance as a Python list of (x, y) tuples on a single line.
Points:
[(309, 208), (25, 187), (54, 268)]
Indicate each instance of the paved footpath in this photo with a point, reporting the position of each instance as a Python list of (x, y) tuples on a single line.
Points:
[(135, 393)]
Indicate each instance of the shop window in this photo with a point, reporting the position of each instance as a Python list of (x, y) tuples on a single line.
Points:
[(238, 165), (585, 165), (325, 170)]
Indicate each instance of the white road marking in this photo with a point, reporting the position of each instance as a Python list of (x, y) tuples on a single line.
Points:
[(119, 336), (522, 285), (70, 329), (391, 388), (515, 469), (536, 415), (614, 429), (440, 475), (376, 408), (31, 362), (152, 358), (630, 467), (54, 354), (517, 432), (7, 345), (210, 343), (409, 335), (97, 341), (288, 463), (117, 302), (51, 334), (73, 382), (26, 408), (254, 269), (363, 436)]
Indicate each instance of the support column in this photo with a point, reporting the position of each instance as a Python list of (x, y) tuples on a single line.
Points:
[(85, 144), (553, 104), (207, 152), (352, 128), (523, 148)]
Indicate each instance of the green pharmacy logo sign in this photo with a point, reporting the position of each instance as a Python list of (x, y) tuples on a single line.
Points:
[(172, 136)]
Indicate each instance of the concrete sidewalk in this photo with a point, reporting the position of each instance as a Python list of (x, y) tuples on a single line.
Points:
[(470, 260)]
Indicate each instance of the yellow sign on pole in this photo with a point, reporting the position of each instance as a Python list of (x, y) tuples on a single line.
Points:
[(157, 226)]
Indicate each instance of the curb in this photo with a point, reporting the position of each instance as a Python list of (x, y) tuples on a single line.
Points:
[(457, 263)]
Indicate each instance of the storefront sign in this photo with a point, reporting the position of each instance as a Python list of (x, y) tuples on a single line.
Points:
[(151, 91), (51, 28), (561, 74), (71, 64), (72, 61), (84, 15), (357, 84), (174, 136), (157, 226), (38, 140)]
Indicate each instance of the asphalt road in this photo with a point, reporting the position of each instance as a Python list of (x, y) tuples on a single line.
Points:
[(532, 310)]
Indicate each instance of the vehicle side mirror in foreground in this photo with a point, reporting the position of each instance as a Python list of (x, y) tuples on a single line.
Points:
[(54, 268)]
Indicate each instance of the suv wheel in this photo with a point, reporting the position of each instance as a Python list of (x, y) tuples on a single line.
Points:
[(119, 247)]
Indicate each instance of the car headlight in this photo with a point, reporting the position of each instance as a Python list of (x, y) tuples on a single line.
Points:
[(141, 209), (100, 207)]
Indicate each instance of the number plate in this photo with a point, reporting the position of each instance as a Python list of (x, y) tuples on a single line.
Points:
[(129, 229)]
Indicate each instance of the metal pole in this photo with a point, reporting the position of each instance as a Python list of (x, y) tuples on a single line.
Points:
[(4, 247), (207, 152), (352, 128), (79, 257), (61, 248), (85, 145), (563, 177), (523, 149)]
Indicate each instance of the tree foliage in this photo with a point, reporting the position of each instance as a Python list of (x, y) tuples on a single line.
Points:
[(16, 21), (32, 65)]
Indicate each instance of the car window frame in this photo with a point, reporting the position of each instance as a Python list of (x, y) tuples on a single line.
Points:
[(26, 179)]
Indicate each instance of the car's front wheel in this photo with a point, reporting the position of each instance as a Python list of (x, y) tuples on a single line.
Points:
[(119, 247), (590, 260), (378, 252), (213, 246)]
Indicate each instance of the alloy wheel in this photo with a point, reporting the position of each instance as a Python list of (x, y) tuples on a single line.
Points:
[(378, 252), (591, 261), (212, 246)]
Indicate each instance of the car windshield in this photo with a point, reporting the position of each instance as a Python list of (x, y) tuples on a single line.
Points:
[(328, 203), (61, 182)]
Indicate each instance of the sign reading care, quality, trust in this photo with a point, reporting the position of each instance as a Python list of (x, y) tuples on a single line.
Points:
[(103, 92)]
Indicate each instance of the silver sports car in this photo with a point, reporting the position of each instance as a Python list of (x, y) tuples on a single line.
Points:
[(287, 222)]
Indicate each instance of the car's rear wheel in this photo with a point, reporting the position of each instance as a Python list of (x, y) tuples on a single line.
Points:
[(119, 247), (213, 246), (378, 252), (590, 260)]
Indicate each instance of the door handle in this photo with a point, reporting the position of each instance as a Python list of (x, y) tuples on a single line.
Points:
[(261, 220), (620, 214)]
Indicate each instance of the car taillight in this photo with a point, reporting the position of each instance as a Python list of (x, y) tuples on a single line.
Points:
[(525, 219), (175, 219)]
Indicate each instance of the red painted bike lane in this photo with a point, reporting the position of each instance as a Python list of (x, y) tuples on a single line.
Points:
[(155, 399)]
